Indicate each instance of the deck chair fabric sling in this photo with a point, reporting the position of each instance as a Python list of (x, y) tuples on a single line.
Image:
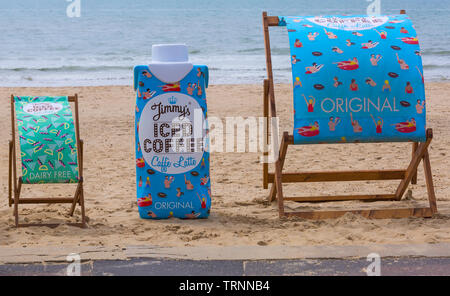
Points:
[(355, 79), (50, 150)]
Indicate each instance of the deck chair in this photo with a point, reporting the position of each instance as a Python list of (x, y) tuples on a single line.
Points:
[(50, 151), (308, 134)]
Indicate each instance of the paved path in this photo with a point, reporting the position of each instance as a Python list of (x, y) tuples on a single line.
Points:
[(149, 266), (413, 259)]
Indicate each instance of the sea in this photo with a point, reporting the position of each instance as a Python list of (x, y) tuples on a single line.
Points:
[(42, 44)]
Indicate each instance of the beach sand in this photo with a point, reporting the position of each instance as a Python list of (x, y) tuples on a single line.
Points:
[(240, 214)]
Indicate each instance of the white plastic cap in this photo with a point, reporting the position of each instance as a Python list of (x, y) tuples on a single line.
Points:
[(170, 53)]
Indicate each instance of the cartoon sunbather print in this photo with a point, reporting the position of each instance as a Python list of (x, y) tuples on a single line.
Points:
[(297, 43), (312, 36), (188, 183), (356, 127), (310, 103), (297, 82), (386, 86), (408, 88), (370, 82), (406, 127), (199, 90), (179, 192), (337, 50), (204, 180), (369, 44), (402, 63), (420, 106), (330, 35), (353, 85), (357, 34), (151, 214), (146, 74), (202, 164), (403, 30), (314, 126), (410, 40), (348, 42), (190, 89), (202, 200), (336, 82), (192, 215), (374, 59), (146, 95), (383, 34), (378, 123), (333, 123), (412, 122), (167, 181), (351, 64), (200, 73), (294, 59), (309, 130), (313, 69)]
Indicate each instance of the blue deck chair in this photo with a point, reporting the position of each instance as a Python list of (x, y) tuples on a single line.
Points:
[(323, 46)]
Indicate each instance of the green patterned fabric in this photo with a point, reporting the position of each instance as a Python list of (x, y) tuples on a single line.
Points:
[(47, 140)]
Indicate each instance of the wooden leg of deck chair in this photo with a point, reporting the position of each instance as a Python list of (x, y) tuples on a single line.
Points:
[(278, 183), (418, 155), (16, 202), (266, 133), (10, 176), (414, 148), (281, 159), (76, 199), (429, 182), (278, 174), (83, 214)]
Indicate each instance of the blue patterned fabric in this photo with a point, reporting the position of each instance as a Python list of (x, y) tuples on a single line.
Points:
[(172, 157), (356, 79)]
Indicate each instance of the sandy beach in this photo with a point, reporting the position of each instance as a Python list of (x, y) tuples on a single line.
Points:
[(240, 214)]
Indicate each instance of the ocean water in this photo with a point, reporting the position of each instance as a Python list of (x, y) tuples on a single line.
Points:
[(41, 46)]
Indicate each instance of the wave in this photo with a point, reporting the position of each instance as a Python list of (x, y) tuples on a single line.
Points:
[(281, 51), (252, 50), (68, 68), (435, 52), (425, 66)]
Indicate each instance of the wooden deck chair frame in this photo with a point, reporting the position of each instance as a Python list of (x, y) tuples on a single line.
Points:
[(15, 184), (419, 152)]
